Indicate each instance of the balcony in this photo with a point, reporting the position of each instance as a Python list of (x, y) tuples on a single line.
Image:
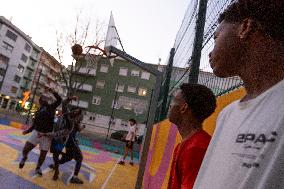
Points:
[(34, 56), (25, 86), (85, 87), (31, 64), (43, 81), (81, 104), (87, 71), (28, 75), (44, 72), (52, 77)]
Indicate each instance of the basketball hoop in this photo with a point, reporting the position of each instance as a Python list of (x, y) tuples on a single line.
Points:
[(104, 52)]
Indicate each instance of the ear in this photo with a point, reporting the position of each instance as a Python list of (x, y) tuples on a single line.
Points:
[(246, 28), (184, 108)]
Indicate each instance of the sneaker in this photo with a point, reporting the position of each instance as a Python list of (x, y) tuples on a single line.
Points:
[(121, 162), (38, 172), (76, 180), (51, 166), (22, 163)]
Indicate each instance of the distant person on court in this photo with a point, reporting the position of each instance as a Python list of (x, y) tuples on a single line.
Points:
[(129, 140), (191, 105), (247, 148), (43, 123)]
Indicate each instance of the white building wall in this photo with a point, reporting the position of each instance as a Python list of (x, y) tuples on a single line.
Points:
[(14, 59), (99, 124)]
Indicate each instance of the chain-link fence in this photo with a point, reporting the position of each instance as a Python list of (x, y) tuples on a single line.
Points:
[(185, 44)]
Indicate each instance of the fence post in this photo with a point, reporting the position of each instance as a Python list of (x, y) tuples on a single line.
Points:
[(167, 85), (198, 41)]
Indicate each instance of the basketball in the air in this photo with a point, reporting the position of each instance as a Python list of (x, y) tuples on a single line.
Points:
[(77, 49)]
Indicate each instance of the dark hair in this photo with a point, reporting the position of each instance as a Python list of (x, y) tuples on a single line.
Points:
[(43, 100), (73, 108), (268, 13), (200, 99), (132, 120)]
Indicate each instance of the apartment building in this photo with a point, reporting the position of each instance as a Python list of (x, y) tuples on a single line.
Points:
[(19, 56)]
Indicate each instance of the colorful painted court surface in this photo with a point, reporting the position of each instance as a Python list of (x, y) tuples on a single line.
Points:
[(99, 169)]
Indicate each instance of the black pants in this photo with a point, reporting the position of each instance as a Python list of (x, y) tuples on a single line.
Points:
[(73, 151)]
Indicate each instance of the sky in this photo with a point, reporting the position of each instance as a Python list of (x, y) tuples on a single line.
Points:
[(147, 28)]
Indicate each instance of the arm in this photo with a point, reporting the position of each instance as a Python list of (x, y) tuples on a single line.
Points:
[(58, 99), (29, 130), (132, 131), (66, 102), (188, 165), (56, 134)]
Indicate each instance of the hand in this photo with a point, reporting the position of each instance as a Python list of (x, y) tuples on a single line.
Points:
[(129, 143), (25, 132), (49, 89), (39, 135), (74, 98)]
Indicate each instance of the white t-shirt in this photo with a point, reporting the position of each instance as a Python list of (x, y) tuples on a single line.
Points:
[(247, 148), (131, 132)]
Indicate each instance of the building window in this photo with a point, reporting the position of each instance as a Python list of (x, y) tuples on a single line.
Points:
[(115, 105), (33, 63), (20, 69), (35, 54), (112, 122), (96, 100), (124, 123), (26, 84), (142, 92), (27, 48), (123, 71), (7, 46), (145, 75), (3, 62), (24, 58), (92, 118), (17, 79), (30, 74), (135, 73), (104, 68), (131, 89), (14, 89), (119, 88), (11, 35), (100, 84), (128, 106)]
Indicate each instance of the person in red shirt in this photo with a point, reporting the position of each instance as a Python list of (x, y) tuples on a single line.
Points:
[(191, 105)]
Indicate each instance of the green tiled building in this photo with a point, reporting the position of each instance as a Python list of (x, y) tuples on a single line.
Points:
[(121, 89)]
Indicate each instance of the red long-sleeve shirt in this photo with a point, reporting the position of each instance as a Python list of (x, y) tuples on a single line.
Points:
[(187, 159)]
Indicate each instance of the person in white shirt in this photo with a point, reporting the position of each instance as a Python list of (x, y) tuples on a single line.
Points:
[(247, 148), (129, 139)]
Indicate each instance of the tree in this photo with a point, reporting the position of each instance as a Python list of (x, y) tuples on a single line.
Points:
[(85, 59)]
